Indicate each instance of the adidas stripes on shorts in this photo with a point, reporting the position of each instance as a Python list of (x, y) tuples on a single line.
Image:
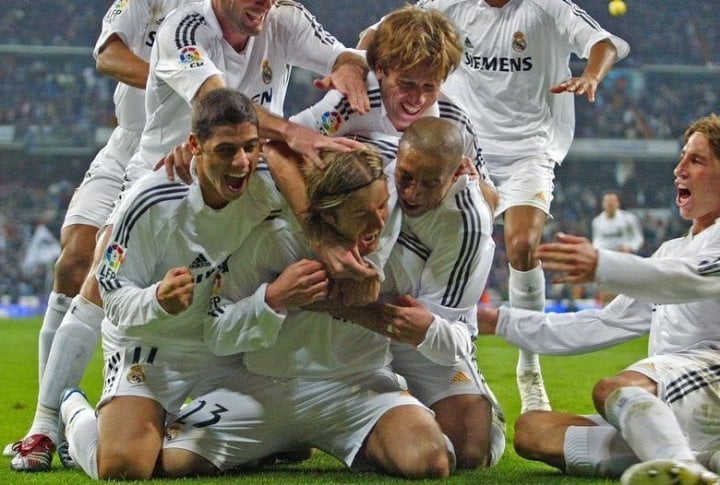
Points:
[(689, 382)]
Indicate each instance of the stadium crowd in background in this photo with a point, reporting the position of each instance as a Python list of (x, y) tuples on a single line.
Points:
[(62, 98), (58, 102)]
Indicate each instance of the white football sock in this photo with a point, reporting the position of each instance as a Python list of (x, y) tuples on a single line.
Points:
[(527, 290), (57, 306), (81, 433), (74, 344), (647, 424), (596, 451)]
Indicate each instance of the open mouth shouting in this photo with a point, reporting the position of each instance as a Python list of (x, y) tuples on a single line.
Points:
[(236, 182), (368, 242)]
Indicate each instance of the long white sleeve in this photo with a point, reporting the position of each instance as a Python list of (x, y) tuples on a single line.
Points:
[(666, 277), (248, 324), (575, 333), (446, 342)]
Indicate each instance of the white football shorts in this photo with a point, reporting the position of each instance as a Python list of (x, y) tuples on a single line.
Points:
[(689, 382), (257, 416), (522, 181), (94, 199), (431, 382), (164, 375)]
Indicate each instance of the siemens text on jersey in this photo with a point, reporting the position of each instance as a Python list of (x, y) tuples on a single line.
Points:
[(499, 64)]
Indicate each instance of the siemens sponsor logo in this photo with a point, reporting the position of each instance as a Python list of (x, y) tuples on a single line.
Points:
[(499, 64), (263, 98)]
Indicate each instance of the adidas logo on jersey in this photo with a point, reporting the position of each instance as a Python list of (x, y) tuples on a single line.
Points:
[(200, 262), (459, 378), (468, 44)]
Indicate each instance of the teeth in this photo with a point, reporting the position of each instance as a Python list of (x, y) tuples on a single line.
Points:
[(410, 110), (238, 176)]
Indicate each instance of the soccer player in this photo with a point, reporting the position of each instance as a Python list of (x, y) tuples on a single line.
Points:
[(614, 228), (410, 57), (617, 230), (323, 383), (122, 51), (412, 54), (662, 410), (434, 278), (160, 269), (247, 45), (514, 68)]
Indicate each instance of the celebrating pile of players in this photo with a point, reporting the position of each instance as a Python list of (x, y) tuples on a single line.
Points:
[(265, 285)]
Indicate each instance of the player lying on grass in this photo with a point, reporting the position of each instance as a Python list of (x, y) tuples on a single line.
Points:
[(659, 415)]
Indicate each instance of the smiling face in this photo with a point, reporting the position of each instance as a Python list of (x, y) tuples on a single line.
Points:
[(361, 218), (407, 95), (245, 17), (697, 182), (225, 161)]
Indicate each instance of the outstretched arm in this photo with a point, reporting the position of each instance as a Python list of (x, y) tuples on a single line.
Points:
[(602, 57)]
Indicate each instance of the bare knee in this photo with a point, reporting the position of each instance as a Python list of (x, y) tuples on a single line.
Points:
[(608, 385), (121, 463), (178, 463), (529, 430), (467, 421), (408, 442), (429, 462)]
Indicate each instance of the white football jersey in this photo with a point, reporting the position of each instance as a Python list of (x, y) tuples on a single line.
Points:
[(614, 233), (190, 48), (513, 56), (164, 225), (135, 23), (443, 257), (332, 116), (310, 344)]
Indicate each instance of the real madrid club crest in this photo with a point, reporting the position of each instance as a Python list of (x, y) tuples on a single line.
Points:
[(519, 42), (136, 374), (266, 71)]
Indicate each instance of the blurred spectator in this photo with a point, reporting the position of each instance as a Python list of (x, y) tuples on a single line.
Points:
[(60, 101)]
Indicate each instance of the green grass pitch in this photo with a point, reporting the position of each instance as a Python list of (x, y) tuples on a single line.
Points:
[(569, 381)]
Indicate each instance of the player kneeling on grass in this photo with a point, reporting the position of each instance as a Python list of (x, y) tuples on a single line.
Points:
[(165, 260), (435, 275), (659, 420), (323, 383)]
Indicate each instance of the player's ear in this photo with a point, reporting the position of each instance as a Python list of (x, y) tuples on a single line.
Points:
[(194, 144), (466, 167)]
